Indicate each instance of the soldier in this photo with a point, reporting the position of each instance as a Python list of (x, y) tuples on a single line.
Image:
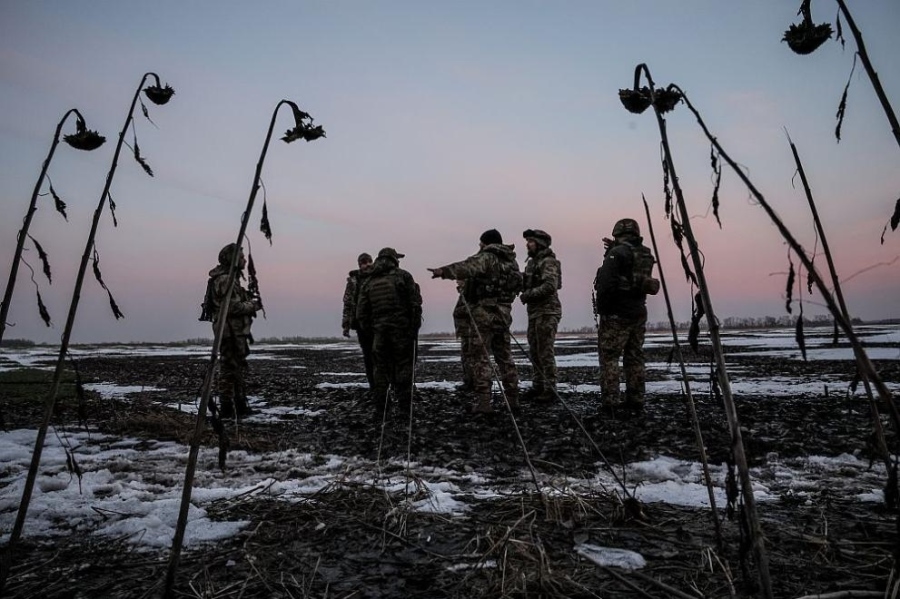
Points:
[(543, 279), (236, 337), (390, 309), (355, 279), (622, 284), (492, 281), (462, 324)]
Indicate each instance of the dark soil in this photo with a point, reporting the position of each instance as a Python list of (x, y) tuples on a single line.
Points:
[(356, 541)]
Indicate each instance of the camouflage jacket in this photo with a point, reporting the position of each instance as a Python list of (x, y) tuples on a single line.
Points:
[(492, 276), (389, 298), (616, 296), (543, 279), (241, 308), (355, 279)]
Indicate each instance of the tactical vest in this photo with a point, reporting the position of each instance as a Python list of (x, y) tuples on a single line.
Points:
[(391, 298), (533, 278)]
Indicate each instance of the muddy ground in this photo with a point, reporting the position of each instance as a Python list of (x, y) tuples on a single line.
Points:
[(354, 541)]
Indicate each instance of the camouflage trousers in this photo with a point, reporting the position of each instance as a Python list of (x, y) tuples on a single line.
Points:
[(621, 338), (393, 352), (232, 366), (491, 337), (365, 339), (541, 339), (465, 334)]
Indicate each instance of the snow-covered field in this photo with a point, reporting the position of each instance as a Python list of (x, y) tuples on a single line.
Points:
[(131, 488)]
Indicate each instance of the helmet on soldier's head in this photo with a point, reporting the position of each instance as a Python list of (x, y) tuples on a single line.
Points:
[(390, 253), (227, 252), (364, 258), (626, 226), (541, 237)]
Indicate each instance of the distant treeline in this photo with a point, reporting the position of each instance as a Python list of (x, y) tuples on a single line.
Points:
[(749, 322)]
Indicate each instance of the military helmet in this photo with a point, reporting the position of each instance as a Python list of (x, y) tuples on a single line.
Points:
[(390, 253), (542, 237), (626, 226), (226, 253)]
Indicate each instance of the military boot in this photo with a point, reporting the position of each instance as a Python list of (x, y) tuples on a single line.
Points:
[(243, 407), (226, 408), (634, 401), (547, 394), (512, 397), (482, 404)]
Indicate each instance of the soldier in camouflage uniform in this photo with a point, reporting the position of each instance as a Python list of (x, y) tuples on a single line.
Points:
[(462, 324), (621, 286), (355, 280), (236, 338), (492, 281), (543, 279), (390, 308)]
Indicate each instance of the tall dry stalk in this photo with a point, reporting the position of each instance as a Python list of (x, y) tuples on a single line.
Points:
[(637, 100), (158, 95), (695, 421), (845, 313), (82, 139), (302, 130)]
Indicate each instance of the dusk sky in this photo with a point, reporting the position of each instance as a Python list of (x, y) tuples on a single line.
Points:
[(443, 119)]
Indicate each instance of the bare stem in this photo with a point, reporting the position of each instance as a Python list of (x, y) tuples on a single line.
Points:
[(206, 390), (698, 435), (839, 295), (740, 457)]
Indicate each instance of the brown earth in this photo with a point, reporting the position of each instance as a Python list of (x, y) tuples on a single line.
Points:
[(356, 541)]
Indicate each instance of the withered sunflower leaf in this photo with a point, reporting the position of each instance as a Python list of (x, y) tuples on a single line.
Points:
[(44, 258), (715, 196), (95, 266), (789, 288), (42, 310), (264, 224), (800, 337), (115, 307), (688, 273), (60, 205), (842, 106), (839, 36), (140, 159), (146, 113), (112, 209)]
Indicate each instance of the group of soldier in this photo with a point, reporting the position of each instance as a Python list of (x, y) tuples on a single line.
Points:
[(383, 304)]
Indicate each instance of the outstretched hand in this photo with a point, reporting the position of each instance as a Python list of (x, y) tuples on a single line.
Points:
[(436, 272)]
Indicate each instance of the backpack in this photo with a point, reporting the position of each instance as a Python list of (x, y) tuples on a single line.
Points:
[(508, 281), (641, 280)]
